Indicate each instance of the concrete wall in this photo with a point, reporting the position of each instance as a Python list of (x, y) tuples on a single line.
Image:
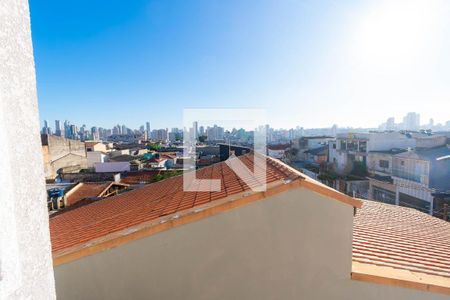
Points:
[(60, 153), (25, 258), (109, 167), (388, 140), (95, 157), (431, 141), (296, 245), (60, 147)]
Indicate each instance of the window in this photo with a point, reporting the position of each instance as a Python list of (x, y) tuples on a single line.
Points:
[(384, 164), (363, 146), (402, 162)]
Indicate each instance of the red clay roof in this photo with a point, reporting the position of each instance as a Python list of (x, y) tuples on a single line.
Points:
[(399, 238), (151, 202), (146, 176), (85, 190)]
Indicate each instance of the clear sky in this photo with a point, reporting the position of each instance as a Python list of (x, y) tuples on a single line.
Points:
[(309, 63)]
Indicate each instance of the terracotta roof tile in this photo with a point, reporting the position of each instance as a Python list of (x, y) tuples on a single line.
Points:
[(85, 190), (401, 238), (151, 202)]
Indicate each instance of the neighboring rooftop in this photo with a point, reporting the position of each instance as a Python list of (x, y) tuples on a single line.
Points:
[(140, 177), (392, 151), (318, 151), (278, 146), (401, 244), (122, 158), (89, 190)]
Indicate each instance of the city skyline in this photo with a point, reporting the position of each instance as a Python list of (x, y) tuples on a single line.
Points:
[(306, 62), (391, 123)]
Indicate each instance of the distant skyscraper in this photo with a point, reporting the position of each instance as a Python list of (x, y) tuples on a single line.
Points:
[(124, 130), (411, 121), (195, 129), (390, 123), (147, 128), (67, 129), (73, 132), (334, 130), (46, 129), (58, 128), (215, 133), (95, 133)]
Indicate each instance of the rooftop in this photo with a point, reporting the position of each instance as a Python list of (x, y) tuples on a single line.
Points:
[(391, 244), (401, 244), (392, 151), (160, 201), (278, 146), (89, 190), (85, 190)]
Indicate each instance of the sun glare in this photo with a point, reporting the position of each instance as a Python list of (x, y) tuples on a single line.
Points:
[(396, 33)]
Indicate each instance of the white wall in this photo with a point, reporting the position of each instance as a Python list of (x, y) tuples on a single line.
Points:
[(109, 167), (388, 140), (95, 157), (25, 256)]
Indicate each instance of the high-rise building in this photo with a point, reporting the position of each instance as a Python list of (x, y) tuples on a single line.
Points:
[(411, 121), (59, 131), (390, 123), (215, 133), (334, 130), (95, 133), (147, 128), (73, 133), (46, 129), (195, 129), (67, 130)]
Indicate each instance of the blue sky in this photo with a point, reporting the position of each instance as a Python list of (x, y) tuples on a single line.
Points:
[(309, 63)]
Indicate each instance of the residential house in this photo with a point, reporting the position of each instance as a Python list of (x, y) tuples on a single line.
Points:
[(95, 146), (277, 150), (303, 144), (317, 155), (354, 147), (409, 177)]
